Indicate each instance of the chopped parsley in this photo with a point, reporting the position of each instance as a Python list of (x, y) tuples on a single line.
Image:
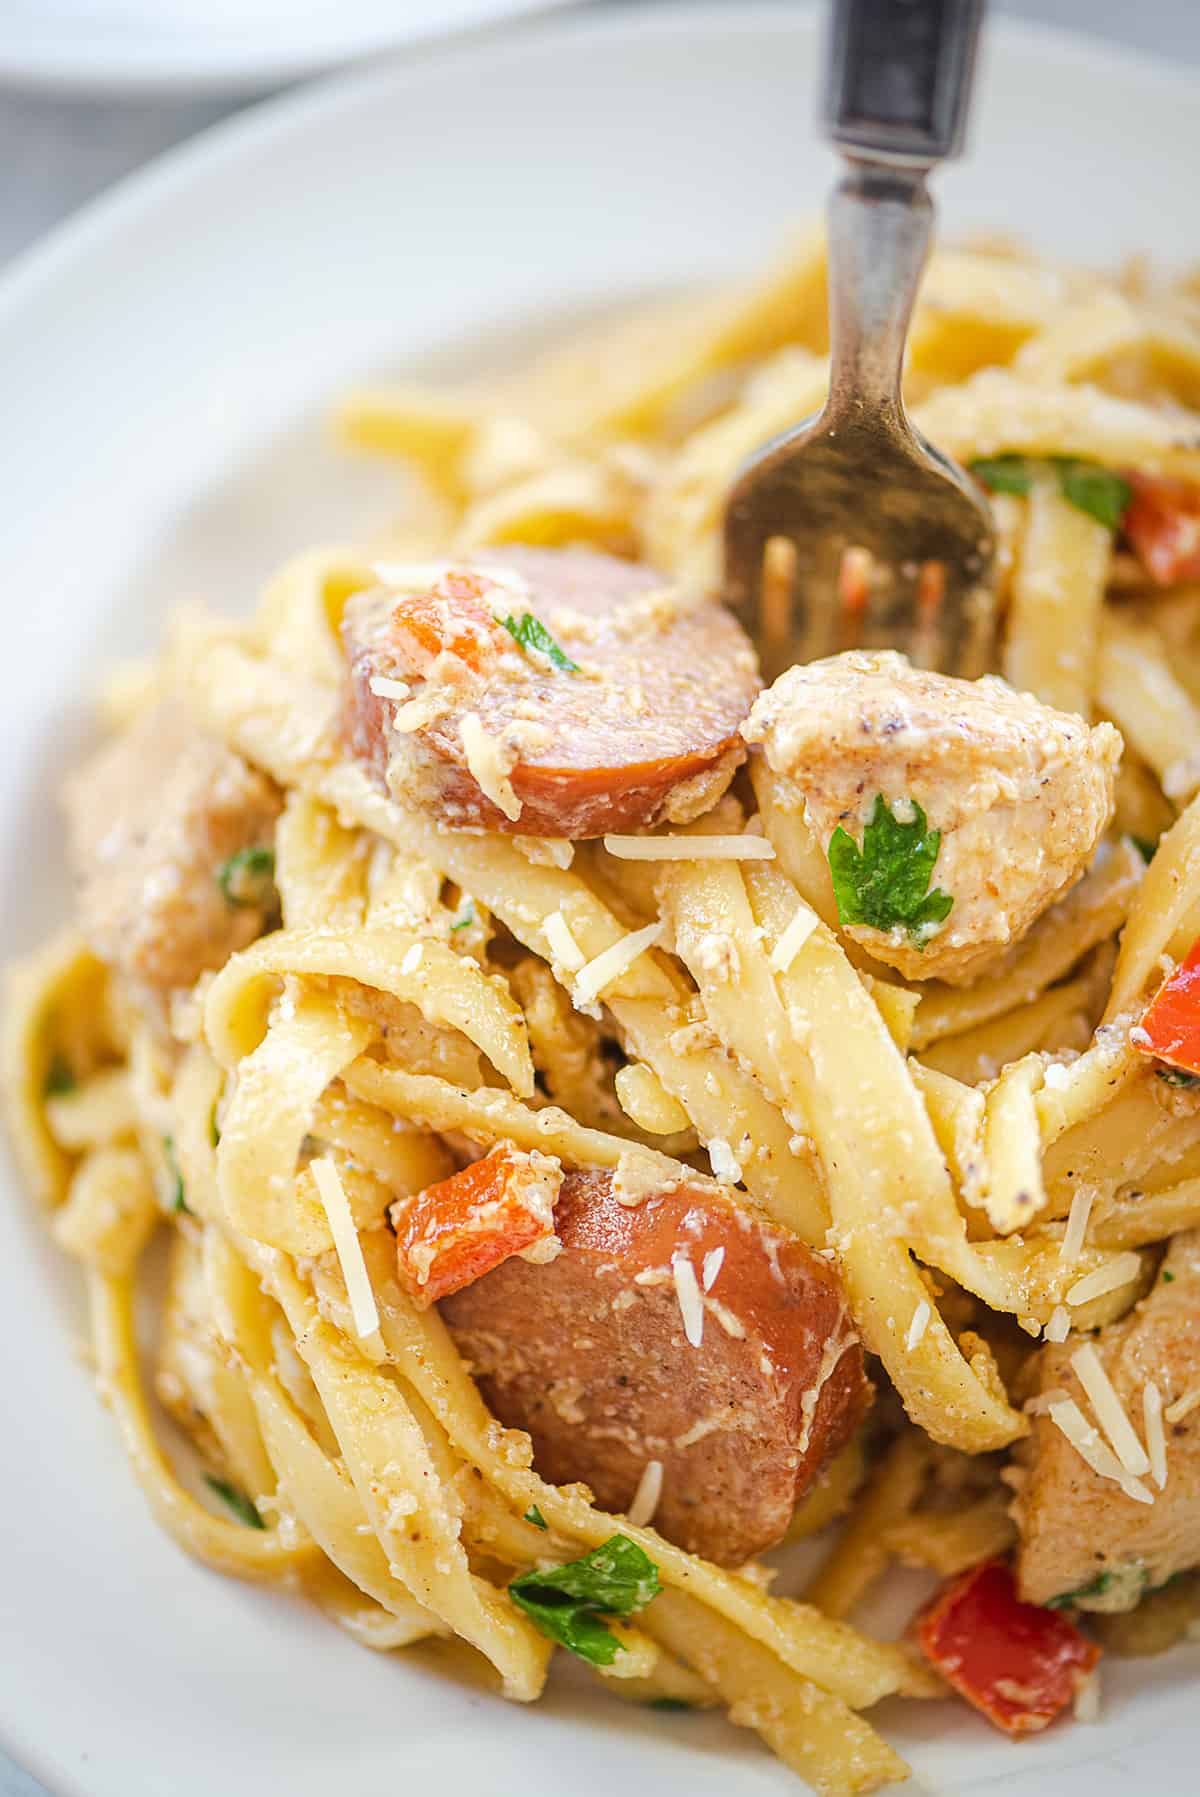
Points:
[(59, 1078), (534, 1515), (1177, 1076), (248, 877), (568, 1603), (669, 1703), (1087, 486), (235, 1500), (1146, 847), (466, 920), (886, 882), (1168, 1276), (178, 1200), (1094, 1588), (528, 633), (1005, 473), (1127, 1583), (1097, 491)]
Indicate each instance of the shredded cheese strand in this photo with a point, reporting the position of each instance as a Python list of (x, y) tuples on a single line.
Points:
[(690, 848), (594, 976), (1110, 1412), (349, 1251)]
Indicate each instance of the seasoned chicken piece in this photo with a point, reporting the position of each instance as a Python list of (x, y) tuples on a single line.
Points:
[(952, 812), (1080, 1534), (170, 835)]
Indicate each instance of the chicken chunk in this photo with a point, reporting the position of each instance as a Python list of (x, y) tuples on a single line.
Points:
[(740, 1376), (169, 834), (1081, 1536), (551, 692), (953, 812)]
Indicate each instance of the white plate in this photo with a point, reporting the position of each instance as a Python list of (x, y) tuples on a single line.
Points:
[(161, 362), (220, 46)]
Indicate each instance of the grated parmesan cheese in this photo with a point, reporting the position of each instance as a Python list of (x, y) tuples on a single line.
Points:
[(919, 1324), (592, 978), (1156, 1439), (1110, 1412), (1175, 1413), (545, 851), (645, 1498), (332, 1192), (1069, 1418), (412, 959), (383, 688), (691, 1304), (689, 848), (489, 765), (725, 1164), (1040, 1405), (1077, 1222), (563, 947), (1059, 1326), (713, 1261), (795, 935), (637, 1176), (1087, 1698), (1121, 1269)]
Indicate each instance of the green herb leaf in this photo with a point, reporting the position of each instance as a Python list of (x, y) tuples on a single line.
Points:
[(1090, 488), (235, 1500), (886, 882), (567, 1602), (178, 1196), (1178, 1076), (466, 920), (534, 1515), (669, 1703), (1094, 1588), (1146, 847), (1168, 1276), (1005, 473), (529, 633), (59, 1078), (247, 877)]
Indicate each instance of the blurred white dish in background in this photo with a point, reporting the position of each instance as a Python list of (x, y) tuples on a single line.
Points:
[(117, 47), (163, 362)]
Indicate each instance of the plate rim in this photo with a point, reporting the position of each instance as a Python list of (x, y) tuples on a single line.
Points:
[(225, 139), (229, 67)]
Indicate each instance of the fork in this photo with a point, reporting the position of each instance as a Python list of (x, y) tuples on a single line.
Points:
[(850, 531)]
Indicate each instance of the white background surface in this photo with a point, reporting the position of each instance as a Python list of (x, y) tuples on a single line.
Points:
[(56, 153)]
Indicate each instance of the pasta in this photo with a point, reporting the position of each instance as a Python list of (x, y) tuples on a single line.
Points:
[(433, 990)]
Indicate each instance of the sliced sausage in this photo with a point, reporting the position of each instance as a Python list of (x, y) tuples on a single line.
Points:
[(170, 836), (591, 1354), (1082, 1536), (1020, 794), (498, 734)]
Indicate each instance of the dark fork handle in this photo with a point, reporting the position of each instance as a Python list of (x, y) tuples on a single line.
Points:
[(899, 80), (899, 77)]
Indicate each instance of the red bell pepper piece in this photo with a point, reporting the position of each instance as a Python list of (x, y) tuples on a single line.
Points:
[(1162, 525), (454, 1232), (1170, 1026), (452, 618), (1017, 1663)]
